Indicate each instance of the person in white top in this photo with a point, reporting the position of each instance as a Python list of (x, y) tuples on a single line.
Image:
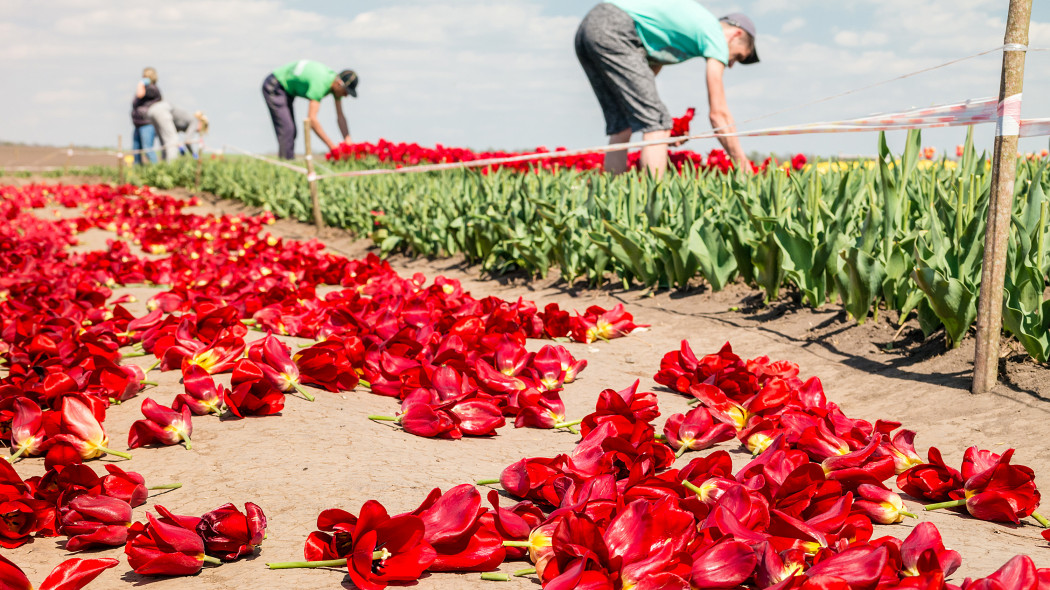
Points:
[(169, 120)]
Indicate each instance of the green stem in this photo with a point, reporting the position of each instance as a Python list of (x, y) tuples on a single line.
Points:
[(167, 486), (285, 565), (248, 322), (525, 572), (906, 513), (302, 391), (516, 544), (692, 487), (385, 418), (659, 436), (153, 366), (212, 560), (365, 383), (486, 482), (186, 439), (1041, 520), (494, 577), (14, 456), (681, 451), (133, 355), (948, 504), (154, 383), (693, 402), (117, 453), (568, 424)]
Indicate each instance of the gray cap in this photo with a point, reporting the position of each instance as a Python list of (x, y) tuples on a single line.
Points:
[(741, 21)]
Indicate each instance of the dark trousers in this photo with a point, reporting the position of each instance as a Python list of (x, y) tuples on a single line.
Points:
[(281, 112)]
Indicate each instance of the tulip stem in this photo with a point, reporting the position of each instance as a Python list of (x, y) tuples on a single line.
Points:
[(154, 383), (692, 487), (133, 355), (681, 451), (487, 482), (516, 544), (248, 322), (167, 486), (186, 439), (384, 418), (153, 366), (906, 513), (948, 504), (525, 572), (1041, 520), (659, 436), (568, 424), (495, 577), (693, 402), (212, 560), (302, 391), (117, 453), (287, 565), (365, 383), (14, 456)]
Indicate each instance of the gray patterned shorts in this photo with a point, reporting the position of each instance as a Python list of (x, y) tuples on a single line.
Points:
[(614, 59)]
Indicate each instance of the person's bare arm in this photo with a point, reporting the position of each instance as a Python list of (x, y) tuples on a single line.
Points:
[(315, 124), (341, 121), (721, 118)]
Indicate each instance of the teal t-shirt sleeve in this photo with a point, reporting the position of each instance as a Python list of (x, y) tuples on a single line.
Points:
[(714, 47)]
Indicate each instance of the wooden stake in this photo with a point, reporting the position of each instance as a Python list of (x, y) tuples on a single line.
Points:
[(120, 159), (1000, 207), (311, 177)]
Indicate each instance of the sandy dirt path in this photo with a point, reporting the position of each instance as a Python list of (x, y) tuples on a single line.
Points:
[(326, 454)]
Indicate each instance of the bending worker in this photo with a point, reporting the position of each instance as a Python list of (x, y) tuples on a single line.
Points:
[(313, 81), (169, 121), (622, 44)]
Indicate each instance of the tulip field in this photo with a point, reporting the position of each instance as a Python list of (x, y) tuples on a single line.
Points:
[(898, 234), (193, 398)]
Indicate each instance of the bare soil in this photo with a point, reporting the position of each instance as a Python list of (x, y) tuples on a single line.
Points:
[(326, 454)]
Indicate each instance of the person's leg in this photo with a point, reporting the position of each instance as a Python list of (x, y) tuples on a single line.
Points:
[(149, 135), (164, 123), (616, 162), (136, 145), (618, 61), (616, 124), (654, 157), (282, 115)]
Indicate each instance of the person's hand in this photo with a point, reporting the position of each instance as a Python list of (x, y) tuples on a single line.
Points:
[(347, 140), (145, 81), (679, 143)]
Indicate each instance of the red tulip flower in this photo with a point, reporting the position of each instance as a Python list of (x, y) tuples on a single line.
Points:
[(203, 395), (923, 552), (695, 430), (82, 431), (219, 356), (933, 481), (461, 540), (125, 485), (71, 574), (162, 425), (1003, 493), (274, 358), (162, 548), (880, 504), (726, 564), (94, 521), (229, 534), (27, 430), (405, 554), (253, 394)]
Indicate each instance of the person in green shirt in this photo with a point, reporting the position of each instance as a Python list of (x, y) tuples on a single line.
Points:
[(623, 44), (313, 81)]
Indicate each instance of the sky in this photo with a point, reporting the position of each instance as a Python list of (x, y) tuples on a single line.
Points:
[(492, 74)]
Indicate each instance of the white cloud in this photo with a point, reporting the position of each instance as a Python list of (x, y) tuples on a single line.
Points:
[(860, 39), (793, 24)]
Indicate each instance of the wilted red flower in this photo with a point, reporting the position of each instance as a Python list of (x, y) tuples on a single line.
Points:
[(71, 574), (162, 425), (92, 521), (229, 534), (160, 548)]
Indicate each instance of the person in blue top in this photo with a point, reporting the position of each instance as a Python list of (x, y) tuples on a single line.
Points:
[(623, 44), (313, 81)]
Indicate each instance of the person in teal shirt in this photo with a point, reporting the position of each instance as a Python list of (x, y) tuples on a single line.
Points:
[(623, 44), (313, 81)]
